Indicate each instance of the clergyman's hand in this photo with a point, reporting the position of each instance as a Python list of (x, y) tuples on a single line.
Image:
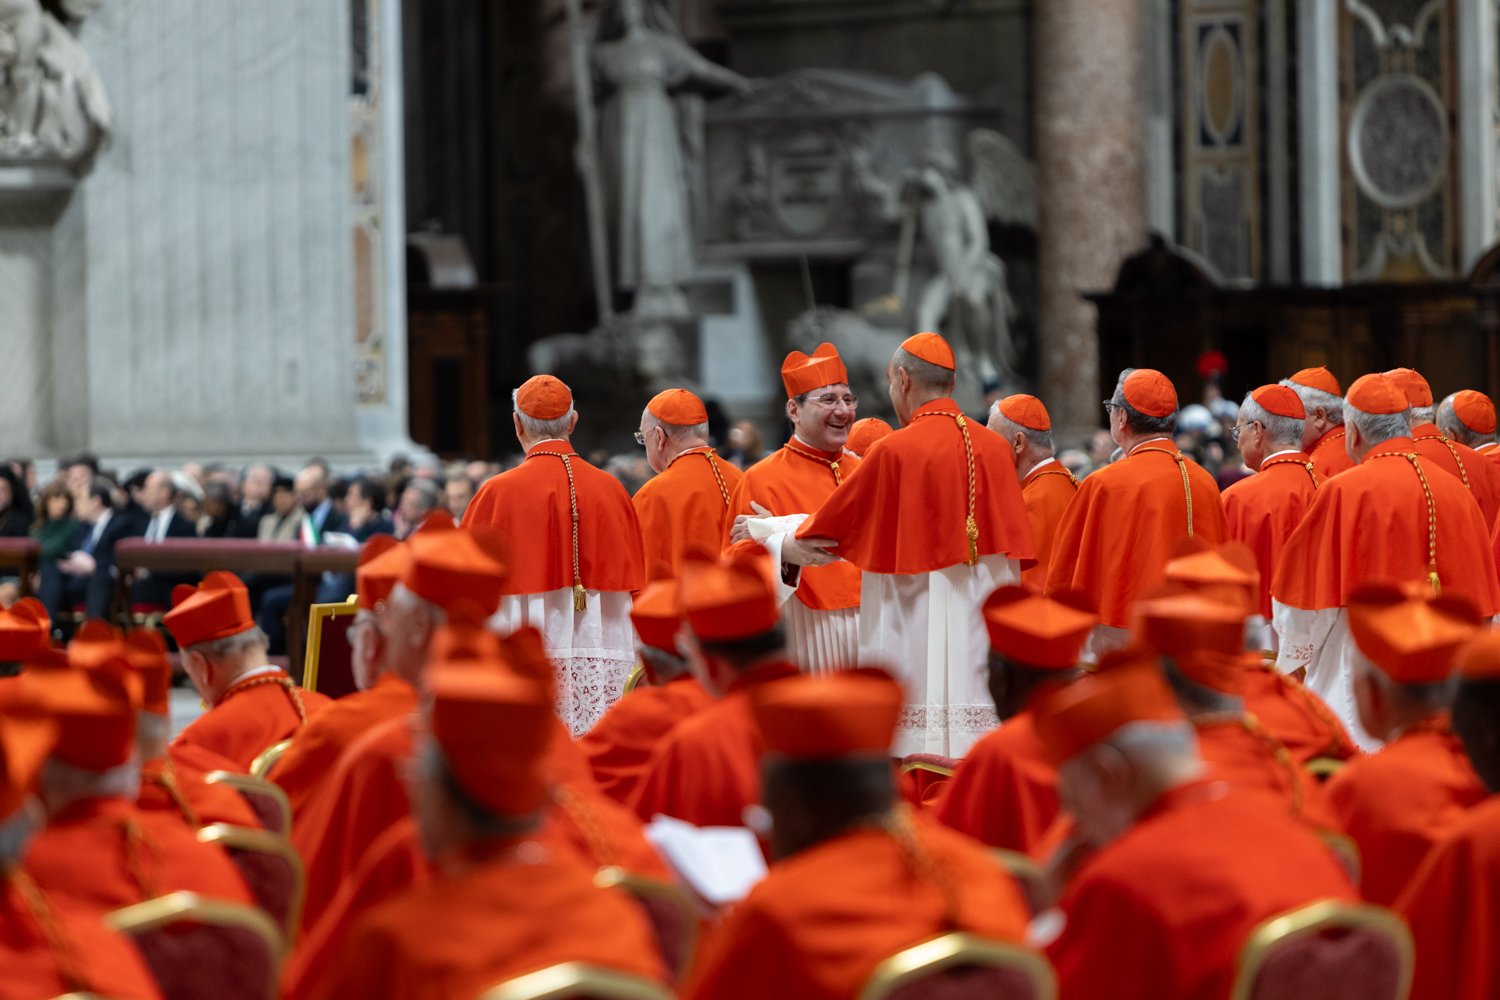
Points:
[(741, 530), (808, 551)]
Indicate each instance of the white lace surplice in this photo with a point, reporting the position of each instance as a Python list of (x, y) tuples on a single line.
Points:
[(593, 650), (1320, 641), (928, 629)]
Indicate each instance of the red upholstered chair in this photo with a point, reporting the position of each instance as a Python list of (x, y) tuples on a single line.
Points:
[(197, 947), (673, 917), (923, 774), (267, 758), (961, 966), (1323, 768), (265, 797), (1346, 850), (576, 981), (1327, 951), (271, 868), (328, 663)]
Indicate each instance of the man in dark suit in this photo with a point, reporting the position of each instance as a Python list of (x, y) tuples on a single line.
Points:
[(311, 485), (254, 501), (159, 499), (86, 575)]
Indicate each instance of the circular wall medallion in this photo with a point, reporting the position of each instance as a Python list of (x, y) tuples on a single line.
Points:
[(1222, 98), (1398, 141)]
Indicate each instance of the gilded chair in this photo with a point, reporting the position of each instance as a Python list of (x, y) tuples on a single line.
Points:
[(1329, 950), (199, 947), (266, 799), (1025, 870), (328, 661), (267, 758), (271, 868), (673, 917), (1346, 850), (923, 774), (958, 966), (1323, 768), (576, 981), (636, 678)]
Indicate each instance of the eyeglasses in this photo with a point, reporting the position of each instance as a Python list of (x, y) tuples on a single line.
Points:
[(1110, 406), (1238, 429), (640, 438), (830, 400)]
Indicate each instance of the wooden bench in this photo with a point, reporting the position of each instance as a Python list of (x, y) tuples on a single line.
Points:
[(20, 556), (203, 555)]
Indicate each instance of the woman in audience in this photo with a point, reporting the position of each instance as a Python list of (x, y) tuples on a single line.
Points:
[(15, 506), (56, 530)]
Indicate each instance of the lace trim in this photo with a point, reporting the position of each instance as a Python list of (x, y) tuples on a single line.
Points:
[(586, 687), (948, 718)]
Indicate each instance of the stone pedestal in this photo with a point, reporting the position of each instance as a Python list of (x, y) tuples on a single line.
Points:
[(193, 297), (1091, 180)]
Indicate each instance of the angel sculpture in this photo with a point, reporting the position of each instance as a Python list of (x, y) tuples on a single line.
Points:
[(967, 298)]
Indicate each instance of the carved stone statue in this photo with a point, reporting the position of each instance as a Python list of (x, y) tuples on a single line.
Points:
[(967, 298), (52, 103), (639, 59)]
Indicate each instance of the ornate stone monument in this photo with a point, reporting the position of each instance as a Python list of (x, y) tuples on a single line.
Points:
[(186, 290)]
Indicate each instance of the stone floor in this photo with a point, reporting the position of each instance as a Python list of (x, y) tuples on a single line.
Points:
[(186, 706)]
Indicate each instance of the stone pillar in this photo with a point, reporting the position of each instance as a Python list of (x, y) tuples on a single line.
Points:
[(1092, 185)]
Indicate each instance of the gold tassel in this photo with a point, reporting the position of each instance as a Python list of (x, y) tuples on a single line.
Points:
[(1432, 578), (972, 530), (580, 597)]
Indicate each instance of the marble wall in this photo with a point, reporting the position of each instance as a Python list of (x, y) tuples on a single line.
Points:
[(193, 297)]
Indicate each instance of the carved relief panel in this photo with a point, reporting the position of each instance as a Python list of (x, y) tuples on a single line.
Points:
[(1220, 134), (1397, 105)]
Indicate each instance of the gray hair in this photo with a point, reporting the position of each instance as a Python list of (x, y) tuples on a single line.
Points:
[(1136, 421), (1314, 398), (1035, 440), (1449, 424), (1378, 427), (427, 488), (663, 664), (1421, 414), (63, 784), (557, 428), (1154, 740), (1281, 430), (152, 733), (678, 432), (924, 373), (230, 645), (1415, 698)]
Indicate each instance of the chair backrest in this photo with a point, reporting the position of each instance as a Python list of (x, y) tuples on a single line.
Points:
[(1034, 885), (1329, 950), (199, 947), (576, 981), (1323, 768), (271, 868), (1346, 850), (958, 966), (923, 775), (636, 677), (267, 758), (266, 799), (328, 663), (673, 917)]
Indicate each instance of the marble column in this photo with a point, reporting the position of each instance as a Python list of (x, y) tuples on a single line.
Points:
[(1090, 134)]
